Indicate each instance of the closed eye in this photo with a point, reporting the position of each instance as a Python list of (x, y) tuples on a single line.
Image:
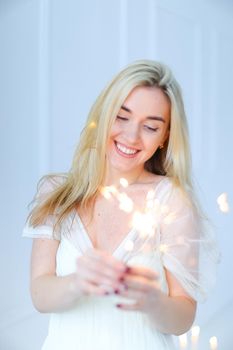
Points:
[(150, 128), (121, 118)]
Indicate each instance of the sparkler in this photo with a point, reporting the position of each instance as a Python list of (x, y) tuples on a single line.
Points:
[(143, 222)]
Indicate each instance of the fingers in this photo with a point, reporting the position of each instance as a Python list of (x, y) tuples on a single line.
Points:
[(89, 288), (143, 272), (142, 286), (106, 259), (99, 273), (104, 264), (98, 278), (131, 294), (128, 307), (140, 283), (101, 268)]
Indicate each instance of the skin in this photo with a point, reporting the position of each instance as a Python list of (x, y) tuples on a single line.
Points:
[(98, 271), (135, 129)]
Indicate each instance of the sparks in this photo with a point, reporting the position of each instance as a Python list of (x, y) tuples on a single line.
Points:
[(124, 182), (126, 203)]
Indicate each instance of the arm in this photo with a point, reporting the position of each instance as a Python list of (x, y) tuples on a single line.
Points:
[(173, 313), (97, 274), (49, 293)]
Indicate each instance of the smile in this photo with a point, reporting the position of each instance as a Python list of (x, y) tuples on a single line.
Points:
[(125, 150)]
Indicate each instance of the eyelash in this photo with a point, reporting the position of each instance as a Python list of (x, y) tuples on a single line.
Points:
[(121, 118), (145, 126), (151, 129)]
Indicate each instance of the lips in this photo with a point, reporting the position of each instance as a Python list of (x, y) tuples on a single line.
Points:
[(126, 151)]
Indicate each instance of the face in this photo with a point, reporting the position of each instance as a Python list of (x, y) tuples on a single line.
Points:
[(140, 127)]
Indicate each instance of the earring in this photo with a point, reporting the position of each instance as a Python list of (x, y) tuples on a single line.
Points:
[(161, 146)]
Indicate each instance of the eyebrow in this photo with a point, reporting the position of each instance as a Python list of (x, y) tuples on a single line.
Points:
[(154, 117)]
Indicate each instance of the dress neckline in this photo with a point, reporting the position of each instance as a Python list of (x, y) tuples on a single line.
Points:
[(130, 235)]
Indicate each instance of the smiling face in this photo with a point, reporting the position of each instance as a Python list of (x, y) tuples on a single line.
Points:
[(140, 127)]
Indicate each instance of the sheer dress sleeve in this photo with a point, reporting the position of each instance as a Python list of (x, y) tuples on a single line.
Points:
[(45, 230), (188, 249)]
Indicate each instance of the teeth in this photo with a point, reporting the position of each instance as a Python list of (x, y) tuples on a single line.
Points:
[(125, 150)]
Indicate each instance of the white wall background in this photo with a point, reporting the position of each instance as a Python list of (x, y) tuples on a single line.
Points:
[(55, 56)]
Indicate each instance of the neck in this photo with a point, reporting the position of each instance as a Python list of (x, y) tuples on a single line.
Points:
[(113, 177)]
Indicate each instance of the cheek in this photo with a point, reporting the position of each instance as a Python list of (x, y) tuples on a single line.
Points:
[(114, 131), (154, 140), (152, 146)]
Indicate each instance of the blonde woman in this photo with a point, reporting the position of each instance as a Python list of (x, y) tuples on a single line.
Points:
[(118, 254)]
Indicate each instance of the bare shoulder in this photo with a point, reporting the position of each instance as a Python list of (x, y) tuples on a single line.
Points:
[(43, 258)]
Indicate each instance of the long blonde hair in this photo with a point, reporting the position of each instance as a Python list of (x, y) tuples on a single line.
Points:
[(82, 182)]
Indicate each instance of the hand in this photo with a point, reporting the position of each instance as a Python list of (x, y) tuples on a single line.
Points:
[(142, 286), (98, 273)]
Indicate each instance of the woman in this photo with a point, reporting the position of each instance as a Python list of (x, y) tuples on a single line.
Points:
[(119, 248)]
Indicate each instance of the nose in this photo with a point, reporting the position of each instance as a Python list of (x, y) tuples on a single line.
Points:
[(132, 134)]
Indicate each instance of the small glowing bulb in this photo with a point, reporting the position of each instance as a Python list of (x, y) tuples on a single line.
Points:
[(112, 189), (144, 224), (195, 331), (124, 182), (92, 125), (223, 203), (105, 192), (183, 341), (126, 203), (213, 343)]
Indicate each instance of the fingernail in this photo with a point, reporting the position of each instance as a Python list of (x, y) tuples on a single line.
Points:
[(127, 269)]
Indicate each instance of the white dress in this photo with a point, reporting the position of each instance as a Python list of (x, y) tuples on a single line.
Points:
[(178, 244)]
